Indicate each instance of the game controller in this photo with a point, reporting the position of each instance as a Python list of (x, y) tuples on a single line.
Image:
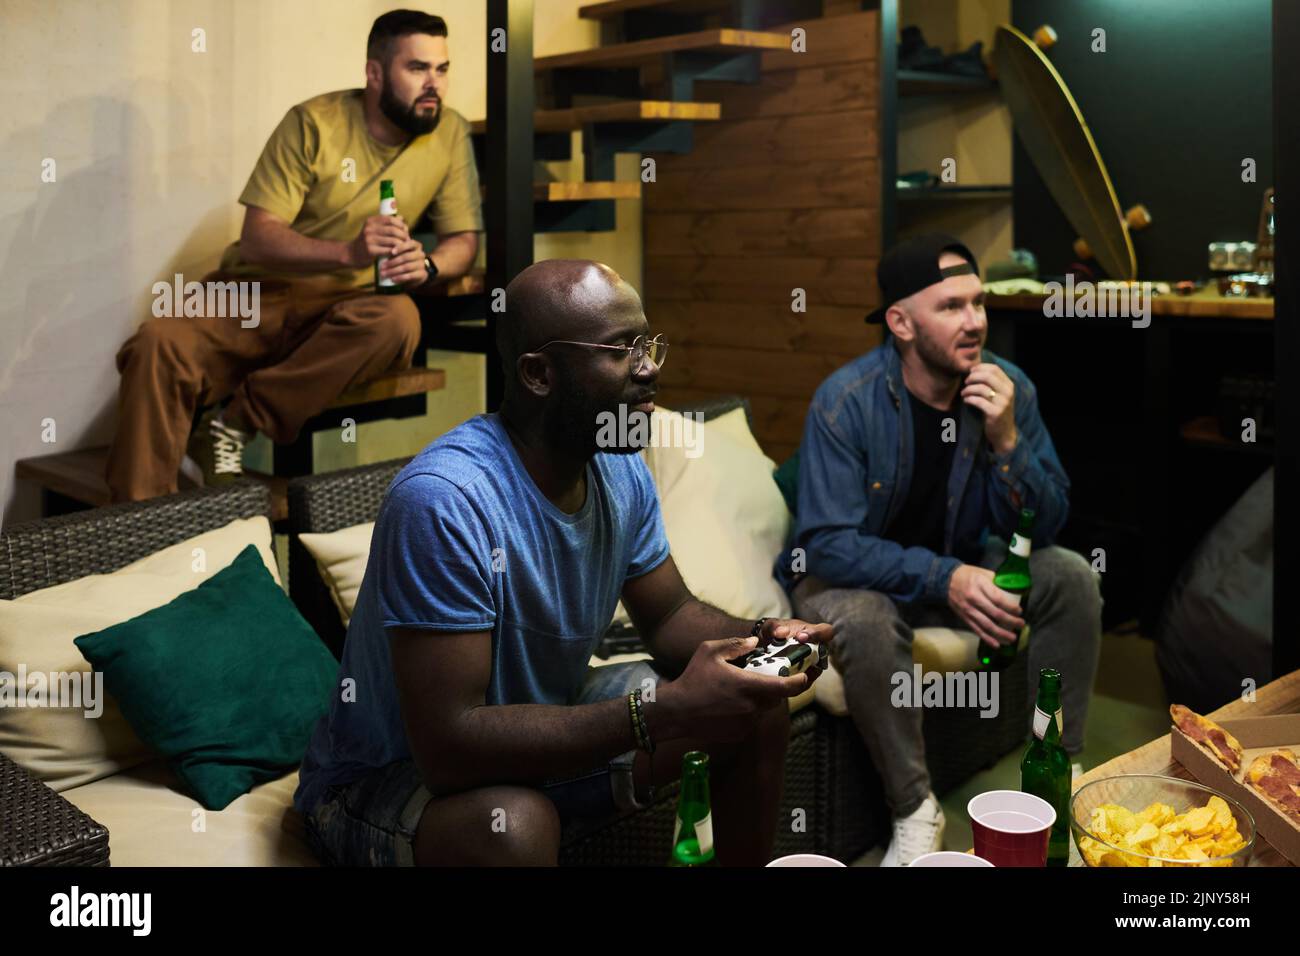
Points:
[(783, 657)]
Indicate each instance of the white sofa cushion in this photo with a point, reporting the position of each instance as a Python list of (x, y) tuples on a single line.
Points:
[(61, 745), (151, 822)]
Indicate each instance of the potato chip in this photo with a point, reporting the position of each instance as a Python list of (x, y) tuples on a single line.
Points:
[(1200, 820), (1222, 813), (1120, 819), (1157, 813)]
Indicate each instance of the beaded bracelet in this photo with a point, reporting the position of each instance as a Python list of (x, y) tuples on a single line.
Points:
[(639, 726)]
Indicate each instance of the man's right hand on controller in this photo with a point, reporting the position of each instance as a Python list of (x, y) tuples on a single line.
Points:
[(716, 700)]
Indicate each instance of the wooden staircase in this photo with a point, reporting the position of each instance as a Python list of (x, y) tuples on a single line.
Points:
[(600, 93)]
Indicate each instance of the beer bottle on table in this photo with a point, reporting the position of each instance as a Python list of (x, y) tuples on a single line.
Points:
[(1045, 767), (693, 832), (387, 207), (1013, 577)]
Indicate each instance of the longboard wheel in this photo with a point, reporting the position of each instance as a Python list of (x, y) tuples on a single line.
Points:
[(1044, 37), (1137, 217)]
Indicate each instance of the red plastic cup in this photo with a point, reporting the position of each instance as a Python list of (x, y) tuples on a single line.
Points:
[(1011, 828)]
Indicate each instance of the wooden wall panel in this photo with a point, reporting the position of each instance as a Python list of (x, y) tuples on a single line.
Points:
[(783, 140), (821, 184), (753, 279), (774, 232), (782, 192), (823, 328), (796, 92)]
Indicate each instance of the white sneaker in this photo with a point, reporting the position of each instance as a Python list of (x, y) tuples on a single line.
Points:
[(914, 835)]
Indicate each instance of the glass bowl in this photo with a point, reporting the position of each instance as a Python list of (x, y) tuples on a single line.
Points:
[(1136, 792)]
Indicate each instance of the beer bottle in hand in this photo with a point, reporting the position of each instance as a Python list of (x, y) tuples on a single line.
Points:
[(1013, 577), (387, 207)]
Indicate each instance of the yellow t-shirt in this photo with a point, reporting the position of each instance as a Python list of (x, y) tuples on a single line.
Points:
[(320, 172)]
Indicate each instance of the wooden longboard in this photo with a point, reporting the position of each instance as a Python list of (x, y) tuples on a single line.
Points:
[(1053, 132)]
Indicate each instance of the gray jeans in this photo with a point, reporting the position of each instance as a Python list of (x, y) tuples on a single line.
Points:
[(873, 641)]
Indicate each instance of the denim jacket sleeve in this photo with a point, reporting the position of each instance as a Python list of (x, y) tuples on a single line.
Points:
[(1030, 475), (832, 517)]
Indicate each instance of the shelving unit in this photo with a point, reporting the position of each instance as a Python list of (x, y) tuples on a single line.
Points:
[(913, 121)]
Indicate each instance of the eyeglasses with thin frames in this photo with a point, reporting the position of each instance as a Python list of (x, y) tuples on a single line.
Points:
[(641, 348)]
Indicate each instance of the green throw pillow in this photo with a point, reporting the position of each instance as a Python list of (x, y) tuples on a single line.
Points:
[(226, 681)]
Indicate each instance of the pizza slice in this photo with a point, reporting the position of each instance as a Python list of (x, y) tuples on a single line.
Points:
[(1220, 745), (1275, 776)]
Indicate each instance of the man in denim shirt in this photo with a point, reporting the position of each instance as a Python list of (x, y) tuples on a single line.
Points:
[(916, 460)]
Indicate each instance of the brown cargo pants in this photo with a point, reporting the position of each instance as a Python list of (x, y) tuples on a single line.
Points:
[(313, 339)]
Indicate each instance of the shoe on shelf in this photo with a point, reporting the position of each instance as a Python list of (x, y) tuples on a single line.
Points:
[(917, 834), (914, 54), (970, 62), (216, 449)]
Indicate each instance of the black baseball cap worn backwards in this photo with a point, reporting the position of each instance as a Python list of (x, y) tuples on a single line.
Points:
[(913, 265)]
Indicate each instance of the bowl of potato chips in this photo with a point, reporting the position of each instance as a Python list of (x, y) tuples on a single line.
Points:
[(1144, 819)]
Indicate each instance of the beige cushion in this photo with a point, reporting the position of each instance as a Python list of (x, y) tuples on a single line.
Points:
[(341, 559), (152, 823), (62, 746), (724, 516), (941, 649)]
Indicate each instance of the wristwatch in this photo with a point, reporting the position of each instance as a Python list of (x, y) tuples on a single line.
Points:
[(431, 266), (757, 630)]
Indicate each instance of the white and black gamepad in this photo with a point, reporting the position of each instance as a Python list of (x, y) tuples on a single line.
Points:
[(783, 657)]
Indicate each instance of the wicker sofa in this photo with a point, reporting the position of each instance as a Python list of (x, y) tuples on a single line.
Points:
[(829, 775)]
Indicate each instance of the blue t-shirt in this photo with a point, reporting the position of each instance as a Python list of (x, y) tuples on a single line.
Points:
[(465, 541)]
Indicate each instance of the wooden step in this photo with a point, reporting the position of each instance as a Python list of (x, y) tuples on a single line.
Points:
[(615, 8), (472, 283), (581, 191), (618, 111), (79, 475), (642, 52), (578, 192)]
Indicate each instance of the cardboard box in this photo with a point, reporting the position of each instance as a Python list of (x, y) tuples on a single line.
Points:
[(1257, 735)]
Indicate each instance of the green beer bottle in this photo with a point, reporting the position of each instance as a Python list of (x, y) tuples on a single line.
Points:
[(1045, 767), (387, 207), (1012, 576), (693, 832)]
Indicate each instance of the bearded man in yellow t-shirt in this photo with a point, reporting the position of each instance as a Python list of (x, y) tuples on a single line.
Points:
[(292, 318)]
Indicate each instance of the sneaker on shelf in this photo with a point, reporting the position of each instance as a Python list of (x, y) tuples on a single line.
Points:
[(915, 54), (969, 62), (917, 834), (217, 449)]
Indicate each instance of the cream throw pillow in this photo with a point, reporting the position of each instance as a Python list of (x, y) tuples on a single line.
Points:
[(63, 745), (341, 559), (724, 515)]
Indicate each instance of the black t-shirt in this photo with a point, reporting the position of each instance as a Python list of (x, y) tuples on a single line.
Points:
[(920, 522)]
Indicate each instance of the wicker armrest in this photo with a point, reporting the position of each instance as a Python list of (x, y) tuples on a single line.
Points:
[(38, 827)]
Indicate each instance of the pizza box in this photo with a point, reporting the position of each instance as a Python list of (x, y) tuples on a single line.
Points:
[(1257, 735)]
